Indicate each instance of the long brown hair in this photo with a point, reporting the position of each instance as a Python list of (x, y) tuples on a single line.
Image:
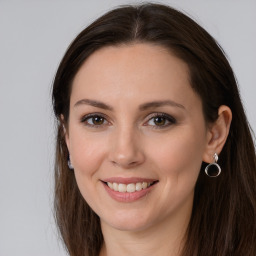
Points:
[(223, 220)]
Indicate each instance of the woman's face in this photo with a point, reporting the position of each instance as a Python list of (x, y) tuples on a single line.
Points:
[(136, 136)]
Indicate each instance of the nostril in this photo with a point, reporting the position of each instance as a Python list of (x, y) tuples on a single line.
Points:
[(126, 164), (133, 163)]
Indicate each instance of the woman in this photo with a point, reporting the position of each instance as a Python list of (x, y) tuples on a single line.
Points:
[(154, 154)]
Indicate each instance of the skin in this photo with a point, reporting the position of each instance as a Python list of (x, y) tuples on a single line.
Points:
[(128, 142)]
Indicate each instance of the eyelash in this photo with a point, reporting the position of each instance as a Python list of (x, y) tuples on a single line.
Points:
[(85, 119), (167, 118)]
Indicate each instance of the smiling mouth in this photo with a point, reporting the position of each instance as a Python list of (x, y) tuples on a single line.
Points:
[(131, 187)]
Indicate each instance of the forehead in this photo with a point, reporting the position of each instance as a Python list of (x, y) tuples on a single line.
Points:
[(129, 70), (146, 56)]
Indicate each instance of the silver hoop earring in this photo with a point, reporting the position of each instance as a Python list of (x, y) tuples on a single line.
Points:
[(70, 166), (213, 170)]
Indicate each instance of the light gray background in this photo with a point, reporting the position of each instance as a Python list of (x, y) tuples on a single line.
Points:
[(33, 38)]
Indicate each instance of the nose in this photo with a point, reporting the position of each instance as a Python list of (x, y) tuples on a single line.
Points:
[(126, 148)]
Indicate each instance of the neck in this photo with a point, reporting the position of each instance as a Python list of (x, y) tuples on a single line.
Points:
[(165, 239)]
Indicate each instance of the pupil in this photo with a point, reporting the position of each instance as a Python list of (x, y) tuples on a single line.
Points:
[(98, 120), (159, 120)]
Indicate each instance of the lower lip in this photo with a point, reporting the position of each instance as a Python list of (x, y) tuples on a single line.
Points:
[(127, 197)]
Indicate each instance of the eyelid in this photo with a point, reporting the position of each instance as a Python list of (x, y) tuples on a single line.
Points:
[(84, 118), (171, 120)]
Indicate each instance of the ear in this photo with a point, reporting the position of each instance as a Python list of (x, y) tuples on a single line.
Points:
[(217, 133), (65, 131)]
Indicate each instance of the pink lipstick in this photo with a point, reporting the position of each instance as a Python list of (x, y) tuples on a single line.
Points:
[(128, 189)]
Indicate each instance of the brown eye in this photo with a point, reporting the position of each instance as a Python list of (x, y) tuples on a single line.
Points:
[(97, 120), (94, 120), (159, 120)]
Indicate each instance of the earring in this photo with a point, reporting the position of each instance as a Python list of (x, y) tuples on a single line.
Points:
[(213, 170), (70, 166)]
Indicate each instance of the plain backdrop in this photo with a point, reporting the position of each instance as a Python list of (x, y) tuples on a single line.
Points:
[(33, 38)]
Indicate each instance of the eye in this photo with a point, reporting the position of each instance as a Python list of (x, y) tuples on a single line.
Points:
[(160, 120), (94, 120)]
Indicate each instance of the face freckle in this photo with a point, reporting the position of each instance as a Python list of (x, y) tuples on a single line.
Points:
[(135, 121)]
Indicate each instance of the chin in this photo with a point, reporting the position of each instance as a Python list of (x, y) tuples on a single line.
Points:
[(128, 222)]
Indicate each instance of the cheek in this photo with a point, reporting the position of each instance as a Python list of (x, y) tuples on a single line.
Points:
[(178, 161), (180, 154), (87, 152)]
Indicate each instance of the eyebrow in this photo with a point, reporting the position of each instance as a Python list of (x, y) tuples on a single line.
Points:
[(93, 103), (143, 107), (157, 104)]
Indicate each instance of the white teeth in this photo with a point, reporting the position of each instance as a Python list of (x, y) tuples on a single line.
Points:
[(144, 185), (122, 188), (115, 186), (132, 187), (110, 185), (138, 186)]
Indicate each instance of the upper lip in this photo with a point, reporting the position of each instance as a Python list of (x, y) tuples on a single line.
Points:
[(130, 180)]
